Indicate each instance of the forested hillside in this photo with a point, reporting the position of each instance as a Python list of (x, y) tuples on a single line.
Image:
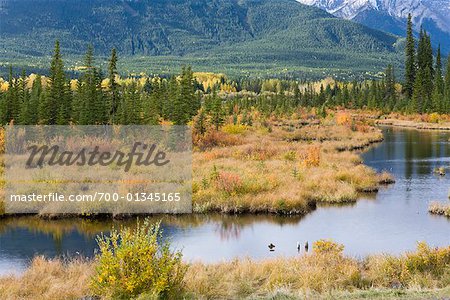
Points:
[(220, 33)]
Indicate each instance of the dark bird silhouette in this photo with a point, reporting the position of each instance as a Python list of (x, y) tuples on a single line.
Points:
[(298, 246), (306, 246), (271, 246)]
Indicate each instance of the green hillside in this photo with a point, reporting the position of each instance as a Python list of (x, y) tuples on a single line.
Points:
[(235, 36)]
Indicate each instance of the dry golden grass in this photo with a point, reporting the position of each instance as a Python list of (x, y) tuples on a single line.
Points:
[(287, 170), (324, 273), (432, 121), (386, 178), (438, 208), (246, 278), (49, 279)]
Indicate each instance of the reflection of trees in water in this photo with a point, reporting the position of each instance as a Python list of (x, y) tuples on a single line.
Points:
[(409, 154), (229, 226), (421, 148), (229, 230)]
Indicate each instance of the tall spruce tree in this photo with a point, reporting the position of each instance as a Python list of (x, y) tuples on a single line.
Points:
[(390, 93), (7, 105), (55, 106), (419, 95), (91, 105), (425, 72), (113, 102), (410, 64), (24, 98), (217, 118), (438, 91), (35, 98), (447, 88), (182, 110)]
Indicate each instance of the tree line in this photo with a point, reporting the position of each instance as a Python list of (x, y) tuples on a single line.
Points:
[(98, 98), (425, 87), (90, 102)]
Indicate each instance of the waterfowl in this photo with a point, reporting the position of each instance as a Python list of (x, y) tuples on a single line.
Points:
[(306, 246), (271, 246)]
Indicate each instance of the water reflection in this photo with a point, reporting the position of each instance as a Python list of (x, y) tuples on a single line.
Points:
[(21, 238), (391, 221), (413, 153)]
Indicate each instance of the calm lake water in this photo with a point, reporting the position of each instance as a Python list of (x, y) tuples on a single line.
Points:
[(392, 221)]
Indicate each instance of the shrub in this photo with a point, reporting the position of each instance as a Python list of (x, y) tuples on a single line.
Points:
[(343, 118), (290, 155), (256, 152), (312, 158), (228, 182), (327, 246), (434, 118), (234, 129), (135, 262), (213, 138)]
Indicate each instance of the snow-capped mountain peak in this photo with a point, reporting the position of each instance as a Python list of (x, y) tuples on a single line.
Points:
[(434, 15)]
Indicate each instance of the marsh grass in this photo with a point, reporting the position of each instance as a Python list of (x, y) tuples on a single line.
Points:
[(385, 178), (287, 171), (438, 208), (49, 279), (325, 273)]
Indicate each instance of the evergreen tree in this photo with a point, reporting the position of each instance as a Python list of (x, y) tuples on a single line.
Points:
[(151, 108), (425, 70), (14, 102), (24, 99), (390, 93), (10, 97), (90, 108), (130, 108), (113, 87), (55, 106), (419, 95), (446, 105), (184, 99), (410, 64), (216, 111), (35, 98), (438, 91), (200, 122), (187, 104)]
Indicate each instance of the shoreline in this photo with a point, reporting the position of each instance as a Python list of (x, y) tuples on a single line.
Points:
[(293, 158), (323, 273), (413, 124)]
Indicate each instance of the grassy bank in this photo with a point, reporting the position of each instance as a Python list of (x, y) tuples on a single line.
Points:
[(325, 273), (414, 124), (283, 166), (441, 209), (432, 121)]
